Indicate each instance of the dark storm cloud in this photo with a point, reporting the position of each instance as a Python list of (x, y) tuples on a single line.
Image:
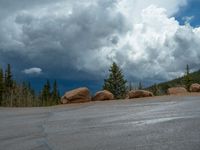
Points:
[(8, 7), (64, 40), (80, 39)]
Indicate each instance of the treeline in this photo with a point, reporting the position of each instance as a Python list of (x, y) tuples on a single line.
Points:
[(185, 81), (13, 94), (116, 84)]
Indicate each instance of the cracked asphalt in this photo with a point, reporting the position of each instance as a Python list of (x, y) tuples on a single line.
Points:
[(161, 123)]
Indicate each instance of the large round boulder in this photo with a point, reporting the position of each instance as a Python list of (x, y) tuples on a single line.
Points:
[(103, 95), (176, 90), (139, 94), (195, 87), (76, 96)]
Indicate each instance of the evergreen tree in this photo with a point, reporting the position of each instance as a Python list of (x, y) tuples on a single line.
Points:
[(46, 94), (8, 85), (48, 90), (13, 94), (115, 83), (130, 87), (187, 80), (31, 90), (1, 86), (55, 93), (140, 86), (24, 93), (187, 69), (155, 89), (8, 78)]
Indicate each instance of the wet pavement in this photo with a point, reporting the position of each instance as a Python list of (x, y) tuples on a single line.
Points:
[(162, 123)]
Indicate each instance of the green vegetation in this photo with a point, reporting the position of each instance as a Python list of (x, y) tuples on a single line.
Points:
[(55, 95), (155, 90), (130, 87), (184, 81), (1, 86), (140, 86), (116, 83), (47, 97), (13, 94), (187, 79)]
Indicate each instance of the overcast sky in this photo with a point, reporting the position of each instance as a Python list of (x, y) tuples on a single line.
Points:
[(68, 40)]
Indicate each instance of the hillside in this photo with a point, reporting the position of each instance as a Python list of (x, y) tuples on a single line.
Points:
[(161, 88)]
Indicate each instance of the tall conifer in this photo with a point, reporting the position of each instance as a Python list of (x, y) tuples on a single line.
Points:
[(1, 85), (115, 83)]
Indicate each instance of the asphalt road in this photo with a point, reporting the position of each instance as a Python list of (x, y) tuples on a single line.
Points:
[(163, 123)]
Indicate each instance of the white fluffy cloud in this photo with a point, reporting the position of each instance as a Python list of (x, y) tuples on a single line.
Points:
[(33, 71), (133, 8), (158, 46), (86, 36)]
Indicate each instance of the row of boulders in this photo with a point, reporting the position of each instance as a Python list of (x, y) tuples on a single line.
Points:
[(181, 90), (83, 95)]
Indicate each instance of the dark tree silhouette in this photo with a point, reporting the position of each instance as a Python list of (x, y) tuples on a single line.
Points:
[(115, 83)]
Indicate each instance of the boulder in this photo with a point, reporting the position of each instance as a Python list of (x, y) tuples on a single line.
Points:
[(103, 95), (176, 90), (195, 87), (139, 93), (76, 96)]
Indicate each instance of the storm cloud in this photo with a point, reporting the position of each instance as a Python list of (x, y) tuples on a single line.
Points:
[(80, 39)]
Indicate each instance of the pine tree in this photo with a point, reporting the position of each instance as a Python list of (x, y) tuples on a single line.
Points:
[(48, 89), (8, 84), (130, 87), (45, 95), (140, 86), (8, 78), (187, 70), (55, 93), (155, 90), (187, 80), (115, 83), (1, 86), (31, 90)]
